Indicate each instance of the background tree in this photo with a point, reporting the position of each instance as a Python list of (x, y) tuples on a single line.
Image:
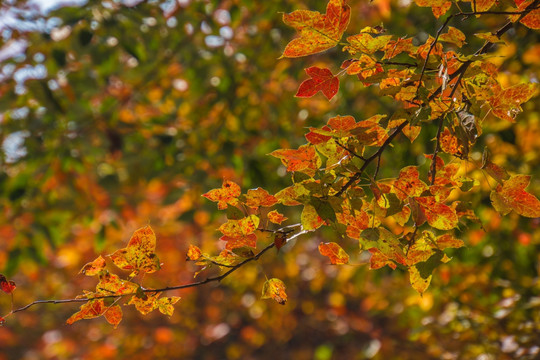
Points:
[(119, 116)]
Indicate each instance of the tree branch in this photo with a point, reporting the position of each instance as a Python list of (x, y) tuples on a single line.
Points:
[(285, 230)]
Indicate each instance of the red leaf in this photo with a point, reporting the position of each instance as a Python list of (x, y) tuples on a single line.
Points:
[(7, 286), (305, 159), (321, 80)]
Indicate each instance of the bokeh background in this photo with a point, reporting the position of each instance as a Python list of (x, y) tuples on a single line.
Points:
[(119, 114)]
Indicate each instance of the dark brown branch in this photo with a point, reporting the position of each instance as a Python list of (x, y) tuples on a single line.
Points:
[(349, 150), (368, 160), (487, 46), (169, 288), (433, 167)]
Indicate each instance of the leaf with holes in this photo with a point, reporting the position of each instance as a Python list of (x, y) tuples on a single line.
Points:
[(274, 289), (318, 32)]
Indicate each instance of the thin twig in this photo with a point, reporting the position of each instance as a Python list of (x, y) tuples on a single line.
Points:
[(433, 167), (368, 160)]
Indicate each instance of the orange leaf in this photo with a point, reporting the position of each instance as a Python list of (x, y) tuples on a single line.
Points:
[(511, 195), (321, 80), (275, 217), (333, 251), (318, 32), (260, 197), (532, 19), (165, 305), (438, 215), (194, 253), (378, 260), (274, 289), (7, 286), (234, 242), (408, 183), (91, 309), (139, 255), (111, 284), (315, 138), (94, 267), (305, 159), (439, 7), (113, 315), (237, 228), (280, 240), (228, 194), (146, 303), (506, 103)]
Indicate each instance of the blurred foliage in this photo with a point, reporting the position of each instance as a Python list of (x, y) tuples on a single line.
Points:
[(115, 115)]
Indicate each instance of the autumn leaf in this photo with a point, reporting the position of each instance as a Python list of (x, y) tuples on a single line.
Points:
[(139, 255), (113, 315), (274, 289), (94, 267), (240, 233), (92, 309), (234, 242), (334, 252), (438, 215), (111, 284), (384, 241), (280, 240), (259, 198), (165, 305), (493, 170), (6, 285), (228, 194), (482, 5), (275, 217), (366, 43), (322, 80), (310, 219), (408, 183), (454, 36), (506, 103), (318, 32), (305, 159), (439, 7), (418, 283), (194, 253), (511, 195), (532, 19), (379, 260)]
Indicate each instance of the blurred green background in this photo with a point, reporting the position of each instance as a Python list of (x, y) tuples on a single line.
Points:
[(114, 115)]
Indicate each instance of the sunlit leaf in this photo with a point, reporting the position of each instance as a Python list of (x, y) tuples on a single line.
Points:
[(194, 253), (318, 32), (275, 217), (94, 267), (165, 305), (334, 252), (506, 103), (366, 43), (274, 289), (113, 315), (228, 194), (89, 310), (6, 285), (454, 36), (511, 195), (305, 159), (260, 198), (438, 215), (139, 255), (439, 7), (321, 80), (310, 218)]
